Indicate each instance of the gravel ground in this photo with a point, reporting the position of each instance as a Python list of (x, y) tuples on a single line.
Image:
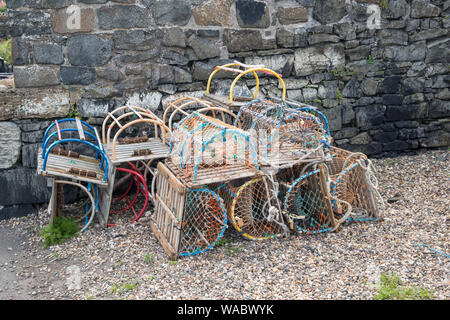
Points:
[(127, 262)]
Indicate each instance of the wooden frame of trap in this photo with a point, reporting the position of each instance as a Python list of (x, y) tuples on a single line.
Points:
[(143, 149), (67, 167), (177, 184)]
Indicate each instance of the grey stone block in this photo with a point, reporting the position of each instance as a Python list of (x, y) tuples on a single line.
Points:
[(30, 154), (137, 39), (203, 48), (406, 112), (21, 51), (329, 11), (93, 107), (48, 53), (172, 12), (10, 142), (77, 75), (36, 76), (23, 186), (122, 16), (238, 40), (369, 116), (88, 50), (252, 14), (424, 9), (28, 23), (396, 9), (412, 52)]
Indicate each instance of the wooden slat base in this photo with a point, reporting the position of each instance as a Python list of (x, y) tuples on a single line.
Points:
[(58, 166), (213, 174), (124, 152)]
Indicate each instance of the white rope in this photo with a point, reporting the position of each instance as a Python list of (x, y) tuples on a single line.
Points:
[(274, 211), (345, 216), (248, 66), (372, 181)]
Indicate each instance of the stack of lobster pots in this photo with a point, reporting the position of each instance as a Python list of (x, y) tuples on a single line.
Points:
[(265, 166)]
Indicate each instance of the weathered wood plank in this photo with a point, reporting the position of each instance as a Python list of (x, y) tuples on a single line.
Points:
[(166, 245)]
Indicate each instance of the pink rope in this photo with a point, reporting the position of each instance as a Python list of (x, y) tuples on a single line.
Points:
[(58, 129)]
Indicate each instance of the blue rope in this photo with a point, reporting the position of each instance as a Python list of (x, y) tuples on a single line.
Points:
[(326, 144), (427, 246)]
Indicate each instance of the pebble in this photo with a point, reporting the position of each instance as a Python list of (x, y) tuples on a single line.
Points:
[(342, 265)]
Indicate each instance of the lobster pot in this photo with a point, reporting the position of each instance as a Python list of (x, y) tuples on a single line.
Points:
[(186, 221), (133, 134), (177, 110), (306, 204), (205, 150), (253, 210), (340, 158), (352, 185), (71, 149), (283, 135)]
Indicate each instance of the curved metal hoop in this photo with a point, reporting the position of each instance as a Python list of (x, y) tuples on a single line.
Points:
[(224, 68), (265, 70), (173, 105), (66, 120), (139, 184)]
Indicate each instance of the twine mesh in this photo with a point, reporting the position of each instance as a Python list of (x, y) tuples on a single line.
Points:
[(201, 142), (254, 211), (283, 135), (352, 185), (340, 158), (204, 221), (305, 204)]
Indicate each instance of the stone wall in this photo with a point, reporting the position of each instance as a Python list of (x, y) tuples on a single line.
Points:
[(384, 86)]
